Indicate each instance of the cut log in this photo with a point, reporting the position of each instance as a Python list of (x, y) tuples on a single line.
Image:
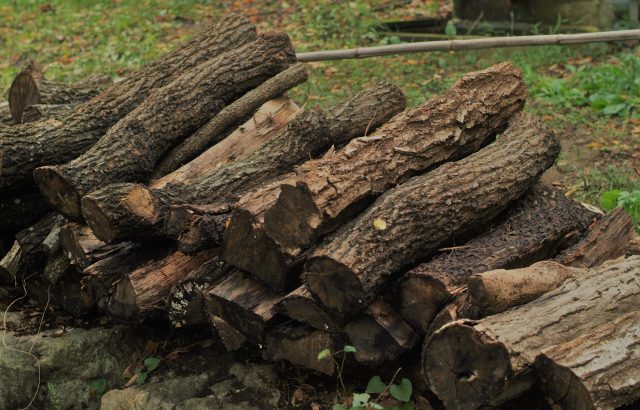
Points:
[(536, 227), (186, 305), (363, 113), (36, 112), (299, 305), (471, 364), (229, 118), (146, 289), (300, 346), (58, 266), (78, 242), (325, 193), (229, 336), (197, 227), (30, 88), (129, 151), (597, 370), (244, 303), (606, 240), (379, 334), (408, 222), (26, 147), (52, 242)]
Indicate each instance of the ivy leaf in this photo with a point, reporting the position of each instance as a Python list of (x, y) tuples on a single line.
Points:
[(376, 406), (402, 391), (142, 377), (360, 399), (338, 407), (98, 387), (349, 349), (324, 354), (609, 199), (151, 363), (404, 406), (450, 30), (375, 385)]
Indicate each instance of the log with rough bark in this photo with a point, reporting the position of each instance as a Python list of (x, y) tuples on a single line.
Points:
[(244, 303), (379, 334), (25, 147), (326, 192), (597, 370), (130, 150), (37, 112), (78, 242), (474, 363), (408, 222), (536, 227), (300, 305), (145, 290), (230, 118), (31, 88)]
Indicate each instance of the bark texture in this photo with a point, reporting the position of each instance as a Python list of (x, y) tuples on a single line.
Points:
[(26, 147), (470, 364), (408, 222), (130, 150), (37, 112)]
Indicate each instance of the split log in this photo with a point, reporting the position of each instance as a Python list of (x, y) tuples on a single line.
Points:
[(471, 364), (129, 151), (300, 305), (327, 192), (30, 88), (78, 242), (185, 305), (244, 303), (300, 346), (379, 334), (597, 370), (52, 242), (28, 146), (146, 289), (606, 240), (410, 221), (536, 227), (33, 113), (229, 118), (229, 336)]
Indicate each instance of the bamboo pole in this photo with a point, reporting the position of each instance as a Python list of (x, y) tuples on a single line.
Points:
[(473, 44)]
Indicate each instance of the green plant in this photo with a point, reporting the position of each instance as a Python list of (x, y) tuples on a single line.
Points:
[(148, 365), (98, 387), (628, 200)]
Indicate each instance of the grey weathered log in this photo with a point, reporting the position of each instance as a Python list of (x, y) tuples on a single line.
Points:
[(411, 221)]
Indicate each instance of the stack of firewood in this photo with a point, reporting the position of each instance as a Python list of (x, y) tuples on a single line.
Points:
[(196, 190)]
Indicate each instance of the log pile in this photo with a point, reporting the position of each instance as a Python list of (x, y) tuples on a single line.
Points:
[(196, 191)]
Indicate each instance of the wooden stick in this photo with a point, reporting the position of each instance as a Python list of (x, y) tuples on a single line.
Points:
[(473, 44)]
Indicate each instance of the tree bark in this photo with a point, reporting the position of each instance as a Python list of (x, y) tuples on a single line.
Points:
[(36, 112), (408, 222), (300, 306), (470, 364), (325, 193), (78, 242), (577, 375), (26, 147), (229, 118), (31, 88), (536, 227), (130, 150)]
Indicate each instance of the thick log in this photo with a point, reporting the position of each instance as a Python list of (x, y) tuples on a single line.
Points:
[(357, 116), (36, 112), (28, 146), (536, 227), (129, 151), (244, 303), (597, 370), (185, 305), (408, 222), (30, 88), (197, 227), (327, 192), (300, 345), (471, 364), (300, 305), (229, 118), (146, 289), (380, 334)]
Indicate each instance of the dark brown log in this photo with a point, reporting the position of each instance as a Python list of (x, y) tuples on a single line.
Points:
[(146, 289), (471, 364), (605, 240), (52, 242), (197, 227), (359, 115), (185, 305), (36, 112), (379, 334), (408, 222), (299, 305), (327, 192), (536, 227), (300, 346), (129, 151), (229, 118), (579, 375), (26, 147), (244, 303), (30, 88), (229, 336)]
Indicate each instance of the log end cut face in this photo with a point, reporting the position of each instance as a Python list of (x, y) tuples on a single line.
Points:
[(58, 191), (23, 93), (334, 285), (463, 367)]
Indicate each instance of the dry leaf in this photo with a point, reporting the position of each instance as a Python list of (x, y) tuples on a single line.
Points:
[(379, 224)]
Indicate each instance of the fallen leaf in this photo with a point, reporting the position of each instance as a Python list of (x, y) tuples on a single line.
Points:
[(379, 224), (297, 396)]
